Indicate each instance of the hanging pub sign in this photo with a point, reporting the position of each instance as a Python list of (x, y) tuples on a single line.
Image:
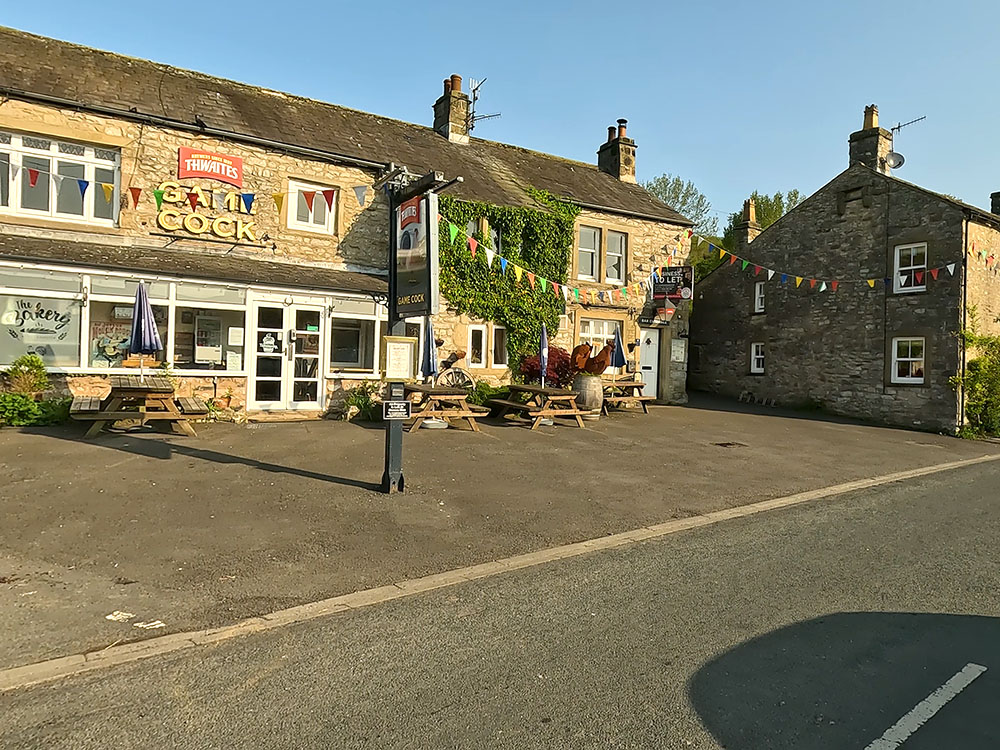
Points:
[(673, 283), (415, 256), (195, 163)]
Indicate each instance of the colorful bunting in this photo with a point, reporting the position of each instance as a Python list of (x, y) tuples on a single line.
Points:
[(109, 191), (473, 244), (757, 270), (328, 195), (951, 269), (770, 274), (919, 276), (517, 272), (784, 278), (812, 283), (452, 232), (934, 273), (193, 199), (744, 264), (361, 192), (871, 283), (32, 177), (503, 264), (543, 282), (248, 200), (834, 285), (135, 192), (732, 259), (158, 196), (279, 200), (531, 278), (308, 195), (798, 280), (490, 254), (83, 185), (822, 286)]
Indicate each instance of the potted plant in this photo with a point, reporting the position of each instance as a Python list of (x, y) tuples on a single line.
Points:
[(226, 400)]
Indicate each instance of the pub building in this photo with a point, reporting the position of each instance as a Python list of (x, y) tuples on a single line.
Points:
[(253, 219)]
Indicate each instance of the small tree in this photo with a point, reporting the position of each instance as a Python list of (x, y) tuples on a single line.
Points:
[(770, 208), (980, 383), (682, 196), (27, 375)]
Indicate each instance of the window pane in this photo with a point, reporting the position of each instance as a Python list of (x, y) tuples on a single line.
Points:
[(472, 227), (111, 328), (210, 293), (119, 285), (49, 328), (902, 349), (500, 347), (917, 348), (270, 317), (476, 346), (4, 179), (69, 199), (302, 208), (104, 207), (588, 237), (319, 210), (587, 265), (615, 267), (919, 256), (352, 344), (46, 281), (208, 339), (35, 198)]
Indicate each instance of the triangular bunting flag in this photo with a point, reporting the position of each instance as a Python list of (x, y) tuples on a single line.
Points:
[(565, 293), (555, 288), (919, 276), (576, 293), (193, 199), (543, 282), (531, 278), (822, 287), (784, 278), (361, 192), (887, 282), (744, 264), (593, 297), (951, 269), (834, 285), (490, 254), (798, 280), (328, 197), (452, 232), (934, 273), (83, 185), (473, 244), (279, 200), (812, 283), (902, 280), (135, 192), (600, 296), (248, 199), (623, 292), (158, 196), (690, 232), (308, 195), (218, 200), (871, 283), (770, 274), (503, 265), (517, 272), (757, 270), (14, 169), (109, 191), (732, 259), (32, 177)]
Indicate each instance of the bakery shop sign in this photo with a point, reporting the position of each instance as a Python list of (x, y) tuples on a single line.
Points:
[(195, 209)]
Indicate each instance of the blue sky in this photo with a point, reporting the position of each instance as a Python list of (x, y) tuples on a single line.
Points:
[(734, 96)]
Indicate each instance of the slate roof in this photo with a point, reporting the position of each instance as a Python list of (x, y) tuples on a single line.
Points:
[(493, 172), (179, 262)]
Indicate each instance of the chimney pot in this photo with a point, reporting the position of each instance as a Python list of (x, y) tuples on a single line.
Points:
[(995, 203), (447, 86), (611, 133), (621, 127), (451, 111), (456, 83), (616, 157), (871, 117)]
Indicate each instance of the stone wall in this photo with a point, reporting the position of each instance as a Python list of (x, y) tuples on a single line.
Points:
[(831, 349), (150, 157)]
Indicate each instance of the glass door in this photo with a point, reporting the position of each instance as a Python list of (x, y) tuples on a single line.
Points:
[(268, 390), (306, 362)]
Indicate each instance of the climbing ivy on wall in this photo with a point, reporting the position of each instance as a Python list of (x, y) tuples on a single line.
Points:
[(538, 239)]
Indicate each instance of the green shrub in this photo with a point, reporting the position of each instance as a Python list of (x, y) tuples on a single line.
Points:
[(18, 410), (27, 375), (53, 411), (483, 392), (981, 383), (363, 398)]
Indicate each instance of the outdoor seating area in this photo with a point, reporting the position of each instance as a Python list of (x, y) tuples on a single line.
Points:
[(448, 405), (150, 399), (622, 394), (541, 403)]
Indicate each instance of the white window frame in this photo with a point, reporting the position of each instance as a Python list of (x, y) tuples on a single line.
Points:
[(493, 349), (758, 297), (910, 269), (757, 358), (486, 347), (894, 377), (358, 366), (292, 205), (608, 254), (17, 151), (596, 252), (598, 341)]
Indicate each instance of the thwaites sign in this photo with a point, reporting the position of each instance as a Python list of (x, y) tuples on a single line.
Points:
[(673, 283), (197, 164), (415, 256)]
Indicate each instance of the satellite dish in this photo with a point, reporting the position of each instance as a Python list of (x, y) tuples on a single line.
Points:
[(894, 160)]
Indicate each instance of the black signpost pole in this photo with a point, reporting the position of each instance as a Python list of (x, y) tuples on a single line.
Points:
[(392, 477)]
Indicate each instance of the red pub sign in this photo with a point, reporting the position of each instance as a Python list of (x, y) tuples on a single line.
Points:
[(193, 162)]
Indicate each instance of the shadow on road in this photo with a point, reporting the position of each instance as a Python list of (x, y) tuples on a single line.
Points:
[(153, 445), (841, 681)]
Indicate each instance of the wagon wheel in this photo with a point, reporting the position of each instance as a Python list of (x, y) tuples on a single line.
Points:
[(456, 377)]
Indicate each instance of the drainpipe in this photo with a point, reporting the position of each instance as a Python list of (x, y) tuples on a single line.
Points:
[(965, 318)]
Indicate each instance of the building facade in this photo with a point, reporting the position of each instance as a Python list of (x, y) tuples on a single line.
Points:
[(854, 300), (253, 218)]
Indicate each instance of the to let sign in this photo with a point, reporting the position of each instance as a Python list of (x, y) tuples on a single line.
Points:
[(195, 163), (673, 283), (396, 410)]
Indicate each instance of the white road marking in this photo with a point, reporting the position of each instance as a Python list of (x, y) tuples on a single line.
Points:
[(898, 733)]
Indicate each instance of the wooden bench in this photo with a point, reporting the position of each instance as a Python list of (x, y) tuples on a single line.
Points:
[(625, 400), (505, 405), (192, 406), (84, 405)]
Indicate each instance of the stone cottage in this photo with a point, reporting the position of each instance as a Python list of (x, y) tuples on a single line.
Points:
[(853, 301), (253, 218)]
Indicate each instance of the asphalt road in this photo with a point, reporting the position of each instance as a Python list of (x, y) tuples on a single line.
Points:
[(818, 626)]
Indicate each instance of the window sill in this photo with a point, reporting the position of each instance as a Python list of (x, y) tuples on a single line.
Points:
[(50, 222), (907, 384), (907, 290), (302, 231)]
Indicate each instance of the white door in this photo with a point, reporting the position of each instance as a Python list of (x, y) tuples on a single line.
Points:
[(288, 364), (649, 360)]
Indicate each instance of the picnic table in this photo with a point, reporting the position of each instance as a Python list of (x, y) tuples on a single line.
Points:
[(621, 393), (149, 399), (443, 403), (541, 403)]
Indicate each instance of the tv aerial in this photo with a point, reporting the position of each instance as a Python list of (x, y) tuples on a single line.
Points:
[(894, 159), (473, 117)]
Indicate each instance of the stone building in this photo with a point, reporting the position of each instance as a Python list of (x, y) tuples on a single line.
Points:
[(252, 217), (853, 300)]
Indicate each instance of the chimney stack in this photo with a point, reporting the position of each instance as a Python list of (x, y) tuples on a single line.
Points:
[(871, 144), (451, 111), (748, 229), (617, 156), (995, 203)]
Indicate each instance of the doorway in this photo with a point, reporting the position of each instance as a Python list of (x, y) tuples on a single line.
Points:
[(287, 371), (649, 360)]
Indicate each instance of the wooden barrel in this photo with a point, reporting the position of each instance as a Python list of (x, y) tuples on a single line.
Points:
[(590, 393)]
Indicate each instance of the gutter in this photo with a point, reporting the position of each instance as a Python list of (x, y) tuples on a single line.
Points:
[(129, 114), (965, 317)]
